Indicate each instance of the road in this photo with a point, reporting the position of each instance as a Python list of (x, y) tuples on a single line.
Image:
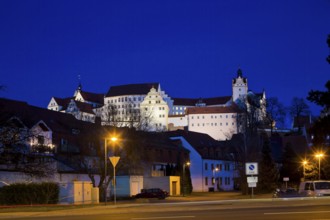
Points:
[(281, 209)]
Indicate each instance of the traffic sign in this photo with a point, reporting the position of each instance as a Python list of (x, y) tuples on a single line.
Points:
[(252, 179), (114, 160), (251, 168), (252, 185)]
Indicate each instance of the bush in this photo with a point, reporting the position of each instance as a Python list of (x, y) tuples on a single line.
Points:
[(28, 194)]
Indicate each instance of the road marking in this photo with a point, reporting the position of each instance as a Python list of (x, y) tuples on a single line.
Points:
[(292, 213), (170, 217)]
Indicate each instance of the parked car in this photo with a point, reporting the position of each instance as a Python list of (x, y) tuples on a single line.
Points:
[(152, 193), (315, 188), (286, 193)]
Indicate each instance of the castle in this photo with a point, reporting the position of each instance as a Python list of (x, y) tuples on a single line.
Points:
[(147, 107)]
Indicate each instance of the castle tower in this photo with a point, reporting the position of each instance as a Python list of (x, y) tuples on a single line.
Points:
[(240, 86)]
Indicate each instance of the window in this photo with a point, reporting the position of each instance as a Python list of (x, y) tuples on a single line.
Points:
[(205, 165), (206, 181), (41, 140)]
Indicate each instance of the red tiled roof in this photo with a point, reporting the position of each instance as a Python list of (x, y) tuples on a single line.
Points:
[(131, 89), (63, 101), (85, 107), (302, 121), (212, 110), (93, 97), (208, 101)]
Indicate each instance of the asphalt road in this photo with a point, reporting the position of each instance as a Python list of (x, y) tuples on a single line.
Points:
[(201, 210), (269, 213)]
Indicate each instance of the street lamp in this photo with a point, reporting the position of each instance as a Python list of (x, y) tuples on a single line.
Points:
[(304, 166), (215, 170), (183, 174), (113, 139), (319, 155)]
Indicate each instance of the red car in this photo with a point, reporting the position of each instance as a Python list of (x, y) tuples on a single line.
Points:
[(152, 193)]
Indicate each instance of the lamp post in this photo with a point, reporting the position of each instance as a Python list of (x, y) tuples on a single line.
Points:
[(183, 174), (304, 168), (215, 170), (113, 139), (114, 160), (319, 155)]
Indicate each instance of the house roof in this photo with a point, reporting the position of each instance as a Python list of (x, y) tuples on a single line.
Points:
[(131, 89), (85, 107), (63, 101), (204, 144), (208, 101), (30, 115), (213, 110), (93, 97), (302, 121)]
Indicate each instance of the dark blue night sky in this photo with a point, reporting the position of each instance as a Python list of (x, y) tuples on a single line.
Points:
[(193, 48)]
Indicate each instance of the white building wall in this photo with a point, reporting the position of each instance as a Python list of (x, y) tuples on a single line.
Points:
[(218, 126), (240, 88), (155, 110), (202, 174)]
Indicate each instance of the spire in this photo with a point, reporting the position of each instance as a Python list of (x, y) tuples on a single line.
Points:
[(239, 73)]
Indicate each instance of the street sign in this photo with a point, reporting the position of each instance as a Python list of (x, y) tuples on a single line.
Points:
[(253, 185), (114, 160), (251, 168), (285, 179), (252, 179)]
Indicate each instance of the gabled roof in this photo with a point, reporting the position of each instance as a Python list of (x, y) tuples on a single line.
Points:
[(131, 89), (302, 121), (208, 101), (58, 122), (213, 110), (63, 101), (93, 97), (204, 144), (85, 107)]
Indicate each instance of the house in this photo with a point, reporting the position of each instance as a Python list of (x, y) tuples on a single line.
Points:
[(64, 149), (211, 167)]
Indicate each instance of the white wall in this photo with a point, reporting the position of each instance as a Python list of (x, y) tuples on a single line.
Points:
[(220, 126)]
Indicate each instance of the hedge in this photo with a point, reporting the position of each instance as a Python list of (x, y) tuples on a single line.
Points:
[(28, 194)]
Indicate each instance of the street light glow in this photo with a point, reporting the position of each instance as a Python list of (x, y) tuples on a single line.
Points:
[(319, 155), (114, 139)]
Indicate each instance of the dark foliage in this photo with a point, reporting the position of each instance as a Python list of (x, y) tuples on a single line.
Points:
[(28, 194)]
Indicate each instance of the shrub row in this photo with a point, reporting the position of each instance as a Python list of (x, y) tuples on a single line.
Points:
[(28, 194)]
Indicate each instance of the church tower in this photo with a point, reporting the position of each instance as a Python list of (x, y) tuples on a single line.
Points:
[(240, 86)]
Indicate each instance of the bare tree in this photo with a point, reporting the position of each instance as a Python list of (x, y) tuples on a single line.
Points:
[(275, 112), (298, 109), (247, 144)]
